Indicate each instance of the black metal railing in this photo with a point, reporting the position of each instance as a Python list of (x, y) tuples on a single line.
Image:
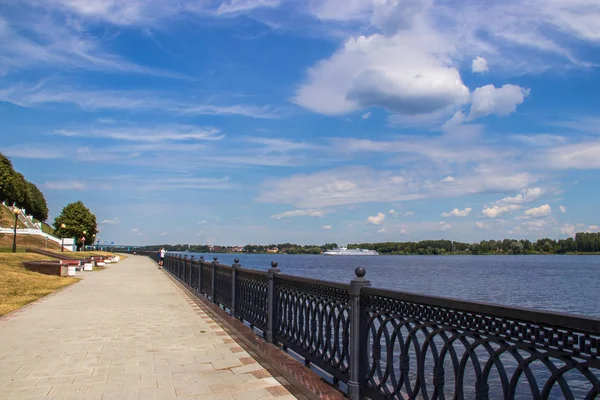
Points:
[(391, 345)]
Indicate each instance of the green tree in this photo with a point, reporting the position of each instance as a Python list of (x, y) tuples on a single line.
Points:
[(38, 206), (77, 218), (516, 247), (12, 184)]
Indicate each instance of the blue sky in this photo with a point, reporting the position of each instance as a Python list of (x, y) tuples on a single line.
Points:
[(262, 121)]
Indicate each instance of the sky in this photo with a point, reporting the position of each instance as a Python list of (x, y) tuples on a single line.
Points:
[(270, 121)]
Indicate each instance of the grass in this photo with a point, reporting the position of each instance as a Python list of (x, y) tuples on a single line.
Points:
[(34, 241), (7, 218), (19, 287)]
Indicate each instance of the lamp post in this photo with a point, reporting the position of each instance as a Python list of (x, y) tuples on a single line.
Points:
[(93, 239), (16, 211), (62, 239), (83, 240)]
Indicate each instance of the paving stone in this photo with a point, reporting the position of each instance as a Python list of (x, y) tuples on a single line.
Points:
[(127, 332)]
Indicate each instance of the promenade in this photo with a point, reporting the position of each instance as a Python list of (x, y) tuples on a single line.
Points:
[(125, 333)]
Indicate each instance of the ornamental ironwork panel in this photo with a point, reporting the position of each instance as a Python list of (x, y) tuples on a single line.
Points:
[(206, 284), (195, 272), (252, 296), (430, 348), (223, 285), (313, 319)]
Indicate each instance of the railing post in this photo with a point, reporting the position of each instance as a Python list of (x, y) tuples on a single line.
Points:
[(200, 274), (271, 306), (190, 271), (234, 267), (358, 330), (214, 279), (184, 269)]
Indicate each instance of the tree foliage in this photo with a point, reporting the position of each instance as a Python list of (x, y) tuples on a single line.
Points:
[(77, 218), (15, 189)]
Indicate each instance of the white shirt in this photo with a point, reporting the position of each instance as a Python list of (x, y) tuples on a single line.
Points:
[(162, 253)]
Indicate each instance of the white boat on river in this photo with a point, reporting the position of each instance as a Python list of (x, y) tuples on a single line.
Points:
[(345, 251)]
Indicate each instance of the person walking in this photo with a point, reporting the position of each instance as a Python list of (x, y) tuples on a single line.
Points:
[(161, 257)]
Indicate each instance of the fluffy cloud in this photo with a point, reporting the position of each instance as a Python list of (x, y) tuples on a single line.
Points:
[(568, 230), (326, 226), (502, 101), (481, 225), (366, 115), (479, 65), (392, 212), (382, 230), (406, 74), (562, 209), (111, 221), (442, 226), (526, 196), (300, 213), (536, 212), (495, 211), (457, 213), (376, 219), (577, 156)]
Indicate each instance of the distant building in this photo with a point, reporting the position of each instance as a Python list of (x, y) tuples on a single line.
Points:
[(273, 250)]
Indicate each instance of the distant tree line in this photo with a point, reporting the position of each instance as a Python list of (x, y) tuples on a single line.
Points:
[(582, 243), (15, 189)]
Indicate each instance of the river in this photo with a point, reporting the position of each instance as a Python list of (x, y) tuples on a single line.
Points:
[(546, 282)]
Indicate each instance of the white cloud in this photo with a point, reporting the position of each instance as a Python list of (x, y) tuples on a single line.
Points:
[(376, 219), (364, 185), (540, 140), (43, 94), (392, 212), (409, 213), (502, 101), (242, 6), (301, 213), (479, 65), (382, 230), (495, 211), (526, 196), (327, 227), (540, 211), (443, 226), (65, 185), (593, 228), (111, 221), (568, 230), (585, 155), (409, 74), (164, 233), (366, 115), (562, 209), (135, 230), (448, 179), (457, 213), (481, 225), (154, 134), (403, 231)]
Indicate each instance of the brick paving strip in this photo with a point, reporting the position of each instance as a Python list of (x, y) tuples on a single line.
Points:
[(126, 333)]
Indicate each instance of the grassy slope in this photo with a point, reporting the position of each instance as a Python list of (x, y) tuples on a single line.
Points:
[(7, 218), (19, 287), (28, 241)]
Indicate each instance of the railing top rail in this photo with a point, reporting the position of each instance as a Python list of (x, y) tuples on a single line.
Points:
[(551, 318), (311, 281), (252, 271), (223, 266)]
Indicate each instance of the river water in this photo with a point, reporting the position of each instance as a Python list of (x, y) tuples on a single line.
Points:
[(547, 282)]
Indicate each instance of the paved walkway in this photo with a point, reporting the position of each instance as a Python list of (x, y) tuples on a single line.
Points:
[(125, 333)]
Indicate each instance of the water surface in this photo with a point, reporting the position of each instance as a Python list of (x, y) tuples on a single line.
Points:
[(548, 282)]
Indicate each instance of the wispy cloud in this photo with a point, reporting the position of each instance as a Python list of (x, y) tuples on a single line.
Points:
[(155, 134), (43, 94), (301, 213), (65, 185)]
